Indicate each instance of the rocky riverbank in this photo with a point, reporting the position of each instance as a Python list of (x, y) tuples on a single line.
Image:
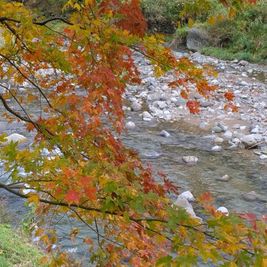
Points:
[(154, 100)]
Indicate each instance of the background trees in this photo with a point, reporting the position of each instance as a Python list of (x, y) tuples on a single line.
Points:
[(74, 79)]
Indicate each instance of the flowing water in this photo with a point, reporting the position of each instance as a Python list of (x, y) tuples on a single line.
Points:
[(247, 172)]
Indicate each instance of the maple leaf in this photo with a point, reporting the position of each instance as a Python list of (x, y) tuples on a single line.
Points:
[(193, 106), (229, 96), (90, 193), (72, 197)]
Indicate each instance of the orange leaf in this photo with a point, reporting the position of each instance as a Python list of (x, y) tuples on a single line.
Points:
[(229, 96), (72, 197), (193, 106)]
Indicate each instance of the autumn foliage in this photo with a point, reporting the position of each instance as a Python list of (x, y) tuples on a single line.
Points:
[(73, 84)]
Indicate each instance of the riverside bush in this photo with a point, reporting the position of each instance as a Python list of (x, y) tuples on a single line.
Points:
[(243, 37)]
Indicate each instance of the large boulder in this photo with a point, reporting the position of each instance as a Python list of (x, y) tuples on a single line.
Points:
[(197, 39)]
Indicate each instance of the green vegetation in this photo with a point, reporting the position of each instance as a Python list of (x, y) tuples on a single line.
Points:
[(162, 15), (243, 37), (15, 249)]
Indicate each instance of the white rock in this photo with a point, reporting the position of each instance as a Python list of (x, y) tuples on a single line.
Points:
[(263, 157), (224, 178), (187, 195), (218, 140), (16, 138), (130, 125), (184, 203), (136, 106), (216, 149), (228, 135), (147, 116), (223, 210), (190, 159), (164, 133), (251, 140)]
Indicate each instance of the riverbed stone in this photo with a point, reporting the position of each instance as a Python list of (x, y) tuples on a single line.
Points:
[(147, 116), (188, 195), (136, 106), (152, 155), (190, 159), (130, 125), (251, 140), (218, 140), (250, 196), (224, 178), (216, 149), (164, 133), (263, 157)]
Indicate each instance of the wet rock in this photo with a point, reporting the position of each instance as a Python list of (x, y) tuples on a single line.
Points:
[(187, 195), (130, 125), (250, 196), (224, 178), (190, 159), (216, 149), (152, 155), (147, 116), (164, 133)]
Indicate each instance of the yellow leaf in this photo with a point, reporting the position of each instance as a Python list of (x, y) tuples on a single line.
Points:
[(34, 198)]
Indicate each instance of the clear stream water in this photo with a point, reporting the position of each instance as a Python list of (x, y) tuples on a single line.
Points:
[(247, 172)]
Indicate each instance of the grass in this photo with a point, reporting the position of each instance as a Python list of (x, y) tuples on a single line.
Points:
[(15, 249), (228, 54)]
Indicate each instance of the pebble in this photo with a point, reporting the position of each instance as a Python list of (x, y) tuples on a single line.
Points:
[(190, 159), (223, 210), (224, 178), (152, 155), (130, 125), (218, 140), (250, 196), (263, 157), (136, 106), (164, 133), (147, 116), (216, 149), (228, 135)]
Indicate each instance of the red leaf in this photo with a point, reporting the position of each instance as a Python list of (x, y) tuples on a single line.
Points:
[(90, 193), (229, 96), (193, 106), (72, 197)]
